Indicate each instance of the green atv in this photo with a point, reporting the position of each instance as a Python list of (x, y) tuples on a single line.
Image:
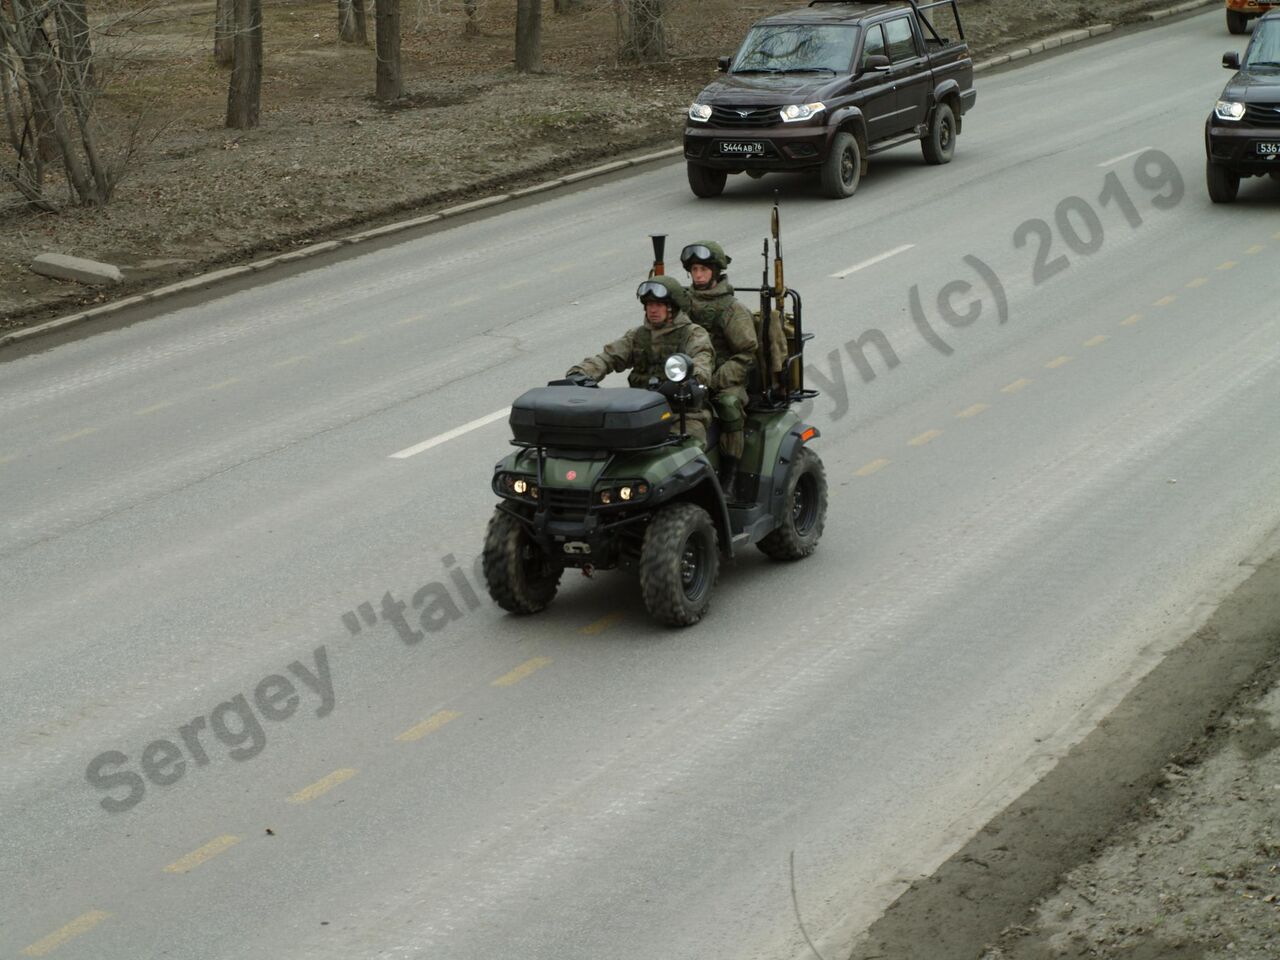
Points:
[(599, 481)]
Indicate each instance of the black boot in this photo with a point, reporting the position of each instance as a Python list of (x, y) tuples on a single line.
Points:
[(728, 476)]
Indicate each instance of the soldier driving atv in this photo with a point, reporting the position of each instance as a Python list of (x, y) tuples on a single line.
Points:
[(667, 330), (733, 335)]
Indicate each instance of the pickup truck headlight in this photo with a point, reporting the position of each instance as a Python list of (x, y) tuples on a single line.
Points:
[(795, 112), (1228, 110), (700, 112)]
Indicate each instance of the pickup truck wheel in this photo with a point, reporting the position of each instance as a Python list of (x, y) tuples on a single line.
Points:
[(939, 144), (1223, 184), (705, 182), (679, 564), (521, 578), (1237, 22), (843, 167)]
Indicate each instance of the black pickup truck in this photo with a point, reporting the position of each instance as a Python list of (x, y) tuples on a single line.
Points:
[(824, 87)]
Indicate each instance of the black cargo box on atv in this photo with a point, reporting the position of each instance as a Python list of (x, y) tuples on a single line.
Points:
[(588, 417)]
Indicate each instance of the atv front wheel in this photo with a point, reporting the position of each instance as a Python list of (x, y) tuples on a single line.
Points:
[(805, 510), (521, 577), (679, 564)]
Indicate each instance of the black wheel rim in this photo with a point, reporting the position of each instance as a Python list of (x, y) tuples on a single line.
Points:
[(847, 166), (804, 505), (944, 135), (693, 566)]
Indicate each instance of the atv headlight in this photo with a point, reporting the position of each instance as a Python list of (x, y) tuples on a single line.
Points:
[(621, 494), (515, 486), (677, 368), (1228, 110), (795, 112), (700, 112)]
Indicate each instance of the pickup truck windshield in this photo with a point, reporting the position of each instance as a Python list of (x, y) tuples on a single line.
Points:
[(797, 48), (1265, 49)]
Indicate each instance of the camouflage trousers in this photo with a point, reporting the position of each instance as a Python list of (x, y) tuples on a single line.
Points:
[(729, 405)]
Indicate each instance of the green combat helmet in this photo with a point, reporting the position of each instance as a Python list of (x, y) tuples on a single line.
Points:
[(667, 289), (709, 253)]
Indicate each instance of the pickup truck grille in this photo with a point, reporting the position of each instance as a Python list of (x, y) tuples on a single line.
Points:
[(1262, 114), (744, 116)]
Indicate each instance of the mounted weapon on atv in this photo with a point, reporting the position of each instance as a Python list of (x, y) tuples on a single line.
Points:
[(600, 481)]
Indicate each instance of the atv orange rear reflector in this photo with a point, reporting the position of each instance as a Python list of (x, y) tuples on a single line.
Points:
[(807, 435)]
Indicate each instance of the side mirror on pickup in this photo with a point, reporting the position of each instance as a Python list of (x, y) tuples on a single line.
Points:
[(722, 63), (1231, 60), (876, 62)]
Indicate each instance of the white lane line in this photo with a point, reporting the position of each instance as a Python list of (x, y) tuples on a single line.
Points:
[(1125, 156), (453, 434), (873, 261)]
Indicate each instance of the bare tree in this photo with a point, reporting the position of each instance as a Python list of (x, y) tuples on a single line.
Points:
[(352, 26), (224, 32), (390, 80), (641, 33), (48, 93), (569, 6), (529, 36), (244, 96)]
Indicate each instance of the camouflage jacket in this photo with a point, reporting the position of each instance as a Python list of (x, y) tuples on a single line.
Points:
[(733, 333), (644, 351)]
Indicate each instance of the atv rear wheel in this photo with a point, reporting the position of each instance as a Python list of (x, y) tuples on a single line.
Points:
[(679, 564), (800, 527), (520, 576), (706, 182)]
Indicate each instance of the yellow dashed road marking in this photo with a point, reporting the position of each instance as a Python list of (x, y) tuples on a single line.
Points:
[(429, 725), (872, 467), (8, 457), (522, 671), (1017, 385), (290, 362), (207, 852), (321, 787), (563, 268), (463, 301), (1275, 236), (1197, 282), (922, 439), (77, 927), (1227, 265), (1057, 362), (77, 435), (601, 625), (153, 408), (224, 383), (350, 340), (408, 320), (973, 411), (1130, 320), (1164, 301), (1094, 341), (1256, 248)]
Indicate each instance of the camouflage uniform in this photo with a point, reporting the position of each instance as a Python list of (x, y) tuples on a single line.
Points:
[(733, 335), (644, 351)]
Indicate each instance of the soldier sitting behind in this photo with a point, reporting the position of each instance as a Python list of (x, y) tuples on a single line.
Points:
[(644, 350), (733, 334)]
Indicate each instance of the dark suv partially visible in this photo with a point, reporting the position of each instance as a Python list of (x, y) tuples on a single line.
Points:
[(1242, 135)]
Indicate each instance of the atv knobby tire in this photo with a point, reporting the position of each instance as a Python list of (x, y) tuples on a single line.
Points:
[(805, 510), (679, 564), (521, 578)]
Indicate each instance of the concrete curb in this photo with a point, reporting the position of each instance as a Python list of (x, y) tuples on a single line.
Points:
[(1084, 33), (217, 276)]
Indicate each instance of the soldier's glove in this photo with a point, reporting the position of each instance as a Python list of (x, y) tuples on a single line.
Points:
[(575, 379)]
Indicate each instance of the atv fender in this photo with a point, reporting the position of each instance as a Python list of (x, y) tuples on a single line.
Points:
[(796, 438), (696, 482)]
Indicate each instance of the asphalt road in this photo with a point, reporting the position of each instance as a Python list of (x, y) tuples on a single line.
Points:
[(1018, 529)]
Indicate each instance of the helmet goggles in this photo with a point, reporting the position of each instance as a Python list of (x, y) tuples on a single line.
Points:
[(652, 290), (698, 253)]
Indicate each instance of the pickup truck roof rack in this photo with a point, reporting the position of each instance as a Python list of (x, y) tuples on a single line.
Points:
[(919, 9)]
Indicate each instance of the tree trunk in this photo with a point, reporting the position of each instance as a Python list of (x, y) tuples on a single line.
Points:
[(352, 26), (472, 26), (641, 31), (390, 82), (569, 6), (224, 33), (73, 43), (529, 36), (244, 97)]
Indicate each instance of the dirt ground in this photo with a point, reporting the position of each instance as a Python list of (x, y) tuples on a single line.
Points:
[(1191, 872), (328, 157)]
